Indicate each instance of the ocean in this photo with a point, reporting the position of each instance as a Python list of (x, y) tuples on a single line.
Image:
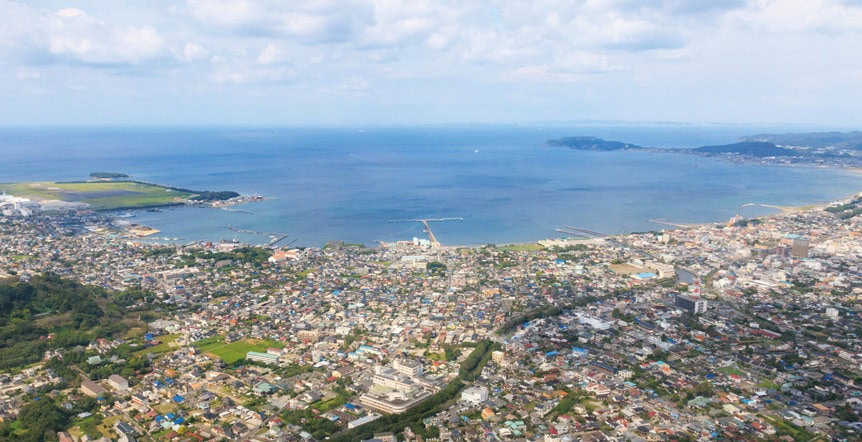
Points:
[(346, 184)]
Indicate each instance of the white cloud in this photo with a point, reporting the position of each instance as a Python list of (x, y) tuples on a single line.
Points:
[(612, 50), (194, 52), (77, 36), (245, 74), (272, 54), (828, 16), (70, 13), (24, 73), (438, 41), (312, 22), (543, 73), (355, 85)]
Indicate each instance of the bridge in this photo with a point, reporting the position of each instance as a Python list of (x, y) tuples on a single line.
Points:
[(425, 221)]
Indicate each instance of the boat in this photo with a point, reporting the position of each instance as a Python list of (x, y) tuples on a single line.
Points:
[(126, 215)]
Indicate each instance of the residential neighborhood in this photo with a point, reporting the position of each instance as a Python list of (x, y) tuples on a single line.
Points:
[(745, 330)]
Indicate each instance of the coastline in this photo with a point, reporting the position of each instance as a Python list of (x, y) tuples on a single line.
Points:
[(489, 223), (672, 226), (782, 211)]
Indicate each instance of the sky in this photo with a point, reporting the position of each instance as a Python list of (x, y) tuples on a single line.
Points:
[(357, 62)]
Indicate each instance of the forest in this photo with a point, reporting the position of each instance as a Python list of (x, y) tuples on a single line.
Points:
[(50, 312)]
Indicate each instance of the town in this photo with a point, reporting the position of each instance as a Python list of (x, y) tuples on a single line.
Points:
[(744, 330)]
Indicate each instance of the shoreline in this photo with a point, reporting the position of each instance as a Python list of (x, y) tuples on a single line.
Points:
[(672, 226), (782, 211), (667, 224)]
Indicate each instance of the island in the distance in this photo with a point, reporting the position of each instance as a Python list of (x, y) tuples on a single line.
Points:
[(109, 193), (591, 143), (108, 175)]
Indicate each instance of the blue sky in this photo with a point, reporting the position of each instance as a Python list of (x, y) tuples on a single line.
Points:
[(349, 62)]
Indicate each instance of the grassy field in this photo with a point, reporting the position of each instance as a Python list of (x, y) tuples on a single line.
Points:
[(101, 195), (165, 346), (729, 370), (234, 351), (526, 247)]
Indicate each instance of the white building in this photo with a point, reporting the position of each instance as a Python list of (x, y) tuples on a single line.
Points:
[(265, 358), (475, 395), (395, 391), (14, 206), (408, 367), (625, 375), (594, 322), (118, 382)]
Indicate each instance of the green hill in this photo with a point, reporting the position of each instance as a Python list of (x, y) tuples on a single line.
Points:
[(591, 143), (838, 140), (752, 148), (50, 312)]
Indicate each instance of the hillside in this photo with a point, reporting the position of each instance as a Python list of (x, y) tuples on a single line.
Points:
[(50, 312), (751, 148), (837, 140), (591, 143)]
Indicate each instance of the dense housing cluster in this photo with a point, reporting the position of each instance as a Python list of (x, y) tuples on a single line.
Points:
[(745, 330)]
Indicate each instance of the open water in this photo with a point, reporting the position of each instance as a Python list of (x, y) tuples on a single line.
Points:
[(345, 184)]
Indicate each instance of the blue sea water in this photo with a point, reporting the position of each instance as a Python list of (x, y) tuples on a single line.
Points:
[(345, 184)]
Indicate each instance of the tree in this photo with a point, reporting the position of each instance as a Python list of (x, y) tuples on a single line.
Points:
[(39, 417)]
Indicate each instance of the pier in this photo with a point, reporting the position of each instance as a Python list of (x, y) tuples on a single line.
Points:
[(568, 232), (427, 229), (253, 232), (276, 237), (236, 210), (668, 223), (275, 241)]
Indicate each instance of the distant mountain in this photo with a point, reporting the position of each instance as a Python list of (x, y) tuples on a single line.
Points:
[(591, 143), (816, 140), (805, 147), (752, 148)]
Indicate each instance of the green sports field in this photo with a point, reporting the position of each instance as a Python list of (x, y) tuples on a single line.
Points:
[(234, 351), (101, 195)]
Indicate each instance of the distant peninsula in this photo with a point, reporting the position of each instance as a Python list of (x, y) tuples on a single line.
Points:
[(813, 140), (824, 148), (751, 148), (591, 143)]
